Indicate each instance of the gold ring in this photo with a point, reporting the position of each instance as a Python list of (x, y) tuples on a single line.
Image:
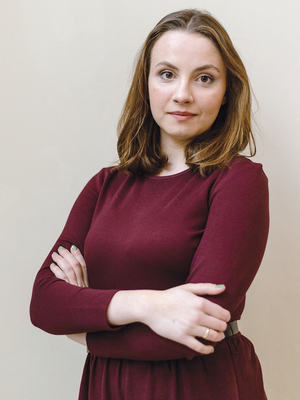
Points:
[(206, 333)]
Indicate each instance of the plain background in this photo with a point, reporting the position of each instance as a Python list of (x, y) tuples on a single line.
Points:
[(65, 68)]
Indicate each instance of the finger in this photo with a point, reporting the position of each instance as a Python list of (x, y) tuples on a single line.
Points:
[(207, 306), (214, 310), (77, 254), (58, 273), (197, 346), (77, 263), (202, 289), (72, 264), (65, 267), (209, 334), (214, 323)]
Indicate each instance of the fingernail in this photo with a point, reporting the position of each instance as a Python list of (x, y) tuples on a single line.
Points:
[(61, 248), (54, 253), (53, 265), (212, 351), (220, 286), (74, 247)]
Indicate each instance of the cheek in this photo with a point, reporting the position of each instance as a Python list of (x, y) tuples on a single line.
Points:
[(157, 98), (213, 104)]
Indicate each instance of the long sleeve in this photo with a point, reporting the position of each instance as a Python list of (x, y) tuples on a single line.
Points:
[(230, 252), (56, 306), (235, 237)]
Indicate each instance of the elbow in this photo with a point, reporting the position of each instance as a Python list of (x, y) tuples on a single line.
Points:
[(41, 311), (40, 316), (37, 316)]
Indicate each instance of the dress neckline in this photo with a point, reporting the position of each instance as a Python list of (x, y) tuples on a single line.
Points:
[(177, 174)]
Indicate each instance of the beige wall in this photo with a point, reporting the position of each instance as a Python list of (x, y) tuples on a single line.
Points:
[(64, 72)]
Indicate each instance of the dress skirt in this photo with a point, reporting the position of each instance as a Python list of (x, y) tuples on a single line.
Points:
[(232, 372)]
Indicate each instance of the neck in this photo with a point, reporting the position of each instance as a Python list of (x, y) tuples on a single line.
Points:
[(176, 159)]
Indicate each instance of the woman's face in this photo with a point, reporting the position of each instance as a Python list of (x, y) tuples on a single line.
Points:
[(187, 84)]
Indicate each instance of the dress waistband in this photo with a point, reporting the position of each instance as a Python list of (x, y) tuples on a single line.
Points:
[(232, 329)]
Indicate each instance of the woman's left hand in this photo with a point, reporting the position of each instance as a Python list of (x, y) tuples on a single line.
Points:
[(70, 266)]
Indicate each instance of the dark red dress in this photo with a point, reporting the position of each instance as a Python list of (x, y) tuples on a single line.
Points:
[(157, 233)]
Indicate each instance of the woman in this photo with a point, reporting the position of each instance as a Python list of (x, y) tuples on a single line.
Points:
[(169, 240)]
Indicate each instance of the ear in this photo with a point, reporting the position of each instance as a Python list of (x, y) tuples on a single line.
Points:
[(224, 101)]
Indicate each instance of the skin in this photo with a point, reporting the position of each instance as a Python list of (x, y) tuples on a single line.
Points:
[(187, 85)]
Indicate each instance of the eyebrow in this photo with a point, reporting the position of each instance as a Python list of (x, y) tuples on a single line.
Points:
[(199, 69)]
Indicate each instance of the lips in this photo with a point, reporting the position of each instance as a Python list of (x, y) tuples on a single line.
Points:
[(182, 115)]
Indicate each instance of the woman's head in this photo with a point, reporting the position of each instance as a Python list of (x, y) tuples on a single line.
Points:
[(186, 85), (139, 135)]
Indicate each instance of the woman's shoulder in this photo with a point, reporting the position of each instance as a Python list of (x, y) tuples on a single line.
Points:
[(244, 163), (240, 174), (243, 167), (105, 176), (95, 183)]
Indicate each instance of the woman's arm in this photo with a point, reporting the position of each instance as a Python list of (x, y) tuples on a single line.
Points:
[(180, 314), (230, 251), (56, 306), (177, 314), (73, 270), (63, 304), (235, 236)]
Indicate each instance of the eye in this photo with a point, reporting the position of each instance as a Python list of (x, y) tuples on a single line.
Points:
[(166, 75), (206, 79)]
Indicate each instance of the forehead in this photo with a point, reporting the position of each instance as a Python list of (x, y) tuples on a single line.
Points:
[(186, 48)]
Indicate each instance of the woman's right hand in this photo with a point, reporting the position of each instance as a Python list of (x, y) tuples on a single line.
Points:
[(179, 314), (182, 315)]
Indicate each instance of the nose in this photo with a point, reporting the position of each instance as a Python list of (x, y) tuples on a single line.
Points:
[(182, 93)]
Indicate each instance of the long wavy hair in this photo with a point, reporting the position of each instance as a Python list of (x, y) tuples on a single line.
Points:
[(139, 135)]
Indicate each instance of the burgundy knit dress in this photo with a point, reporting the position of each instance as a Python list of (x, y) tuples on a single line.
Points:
[(157, 233)]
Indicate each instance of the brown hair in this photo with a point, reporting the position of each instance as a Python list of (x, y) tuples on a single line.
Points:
[(139, 135)]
